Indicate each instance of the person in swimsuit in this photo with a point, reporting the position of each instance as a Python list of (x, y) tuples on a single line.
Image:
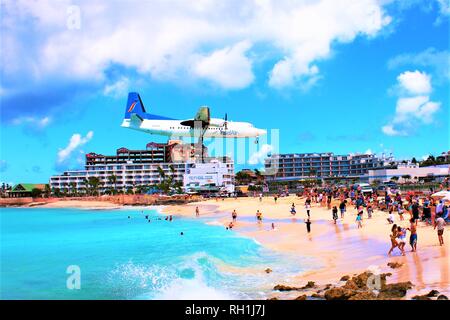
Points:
[(393, 237), (401, 238), (234, 215), (197, 212), (342, 208), (439, 224), (293, 212), (335, 214), (308, 225), (359, 219), (413, 237), (308, 206), (258, 216)]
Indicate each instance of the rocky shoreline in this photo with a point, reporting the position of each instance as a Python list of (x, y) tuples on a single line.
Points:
[(363, 286)]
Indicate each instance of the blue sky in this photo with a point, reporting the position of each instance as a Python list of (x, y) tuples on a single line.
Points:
[(341, 76)]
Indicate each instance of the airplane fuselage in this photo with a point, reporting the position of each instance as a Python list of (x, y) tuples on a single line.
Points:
[(216, 129)]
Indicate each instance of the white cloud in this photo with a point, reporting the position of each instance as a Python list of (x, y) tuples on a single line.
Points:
[(437, 61), (413, 105), (229, 67), (75, 142), (368, 151), (118, 88), (391, 131), (259, 156), (444, 6), (415, 82), (163, 38), (37, 123)]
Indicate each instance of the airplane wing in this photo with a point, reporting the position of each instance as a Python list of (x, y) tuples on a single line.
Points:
[(202, 117)]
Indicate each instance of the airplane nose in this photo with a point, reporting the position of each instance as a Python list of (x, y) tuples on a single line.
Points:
[(262, 132)]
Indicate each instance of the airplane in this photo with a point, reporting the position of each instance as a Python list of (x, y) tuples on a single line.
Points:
[(201, 125)]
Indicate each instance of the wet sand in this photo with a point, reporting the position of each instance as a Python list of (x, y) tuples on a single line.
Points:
[(340, 249)]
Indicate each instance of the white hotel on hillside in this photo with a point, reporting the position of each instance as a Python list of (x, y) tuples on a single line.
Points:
[(133, 168)]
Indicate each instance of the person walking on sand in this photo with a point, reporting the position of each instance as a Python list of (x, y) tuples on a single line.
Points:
[(401, 238), (393, 236), (439, 224), (390, 218), (197, 212), (234, 215), (308, 225), (308, 206), (343, 207), (415, 211), (359, 220), (413, 237), (369, 211), (400, 211), (275, 198), (335, 214)]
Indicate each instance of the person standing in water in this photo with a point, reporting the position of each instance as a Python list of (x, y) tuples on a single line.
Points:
[(197, 212), (258, 216), (234, 215), (308, 225)]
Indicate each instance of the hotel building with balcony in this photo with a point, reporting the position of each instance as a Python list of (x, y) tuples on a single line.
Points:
[(300, 166), (134, 168)]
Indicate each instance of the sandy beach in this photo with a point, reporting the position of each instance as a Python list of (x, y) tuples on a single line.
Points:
[(340, 249), (79, 204)]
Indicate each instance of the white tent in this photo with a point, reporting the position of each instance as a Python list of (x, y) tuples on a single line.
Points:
[(441, 194)]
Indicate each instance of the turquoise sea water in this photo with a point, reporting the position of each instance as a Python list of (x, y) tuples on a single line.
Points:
[(122, 258)]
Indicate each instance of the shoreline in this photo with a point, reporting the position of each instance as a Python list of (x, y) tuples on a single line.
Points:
[(341, 249)]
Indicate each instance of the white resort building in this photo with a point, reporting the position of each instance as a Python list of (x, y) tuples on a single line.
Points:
[(129, 169)]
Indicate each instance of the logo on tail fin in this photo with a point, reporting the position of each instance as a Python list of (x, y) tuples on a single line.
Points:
[(132, 106)]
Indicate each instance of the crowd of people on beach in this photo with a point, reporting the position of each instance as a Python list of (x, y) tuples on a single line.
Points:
[(427, 209), (418, 208)]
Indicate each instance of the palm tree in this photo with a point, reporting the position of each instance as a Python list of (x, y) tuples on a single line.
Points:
[(73, 188), (47, 190), (112, 179), (93, 183), (406, 177), (259, 176)]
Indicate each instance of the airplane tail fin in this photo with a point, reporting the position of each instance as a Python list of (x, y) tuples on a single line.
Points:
[(134, 106)]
